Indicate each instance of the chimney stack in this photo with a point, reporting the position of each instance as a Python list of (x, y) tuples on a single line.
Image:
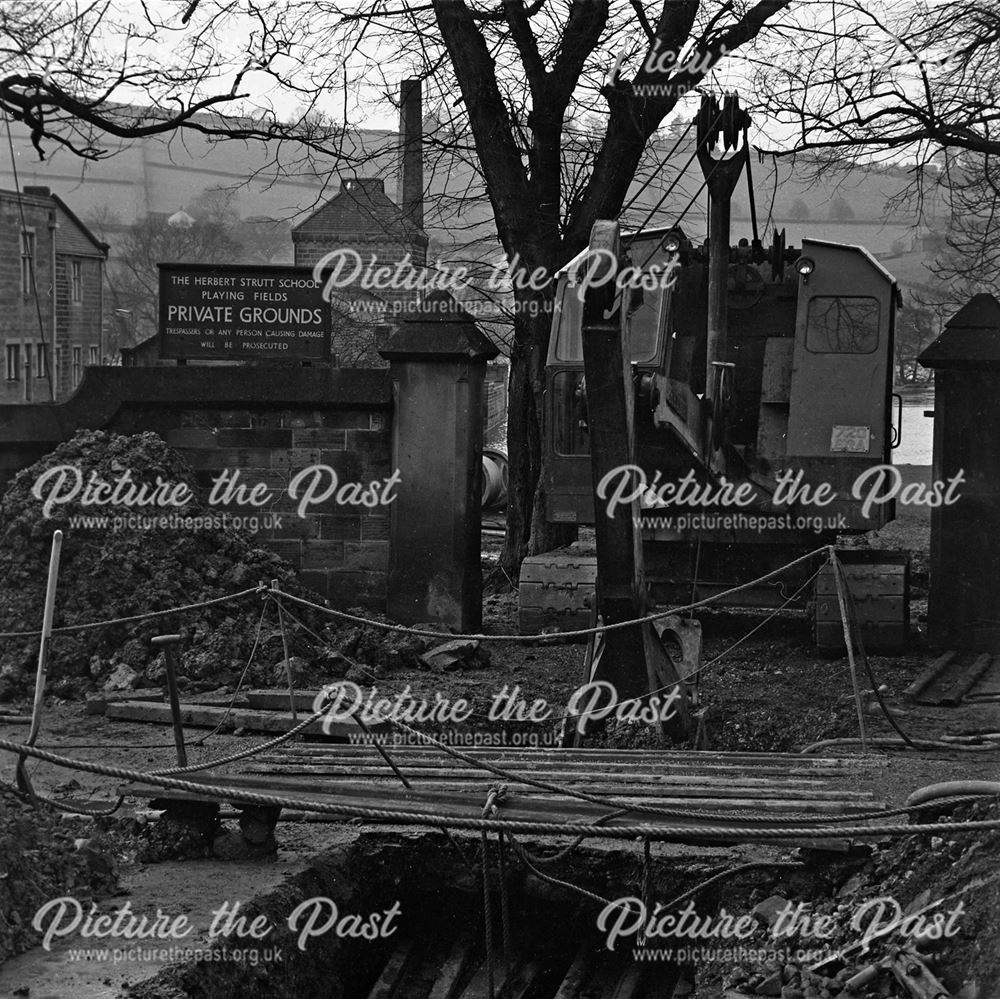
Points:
[(411, 152)]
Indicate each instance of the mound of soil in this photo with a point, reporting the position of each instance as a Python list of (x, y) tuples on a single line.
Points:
[(107, 573), (40, 861)]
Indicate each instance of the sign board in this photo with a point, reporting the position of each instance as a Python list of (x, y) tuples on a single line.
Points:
[(235, 312), (851, 439)]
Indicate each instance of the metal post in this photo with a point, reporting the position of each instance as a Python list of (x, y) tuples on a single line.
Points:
[(720, 192), (169, 643)]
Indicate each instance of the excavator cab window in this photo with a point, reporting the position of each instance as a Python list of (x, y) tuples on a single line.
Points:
[(842, 325), (567, 326), (646, 317), (570, 433), (645, 322)]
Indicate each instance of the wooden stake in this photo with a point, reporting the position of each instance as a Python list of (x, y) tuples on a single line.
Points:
[(43, 654), (169, 643), (838, 578), (284, 650)]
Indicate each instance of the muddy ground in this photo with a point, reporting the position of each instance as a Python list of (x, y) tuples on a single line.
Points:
[(772, 691)]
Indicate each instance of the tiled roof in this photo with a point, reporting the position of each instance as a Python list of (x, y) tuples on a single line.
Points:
[(971, 338), (360, 209)]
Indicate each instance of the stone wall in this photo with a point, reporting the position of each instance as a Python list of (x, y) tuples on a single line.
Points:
[(267, 424)]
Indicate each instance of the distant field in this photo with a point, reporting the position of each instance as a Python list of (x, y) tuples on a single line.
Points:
[(917, 445)]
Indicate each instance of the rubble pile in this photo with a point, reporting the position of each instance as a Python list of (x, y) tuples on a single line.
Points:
[(109, 573), (928, 902), (41, 860)]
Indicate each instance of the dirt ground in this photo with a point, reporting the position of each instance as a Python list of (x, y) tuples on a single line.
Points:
[(770, 692)]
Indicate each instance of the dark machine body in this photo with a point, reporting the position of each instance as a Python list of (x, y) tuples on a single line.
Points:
[(800, 392)]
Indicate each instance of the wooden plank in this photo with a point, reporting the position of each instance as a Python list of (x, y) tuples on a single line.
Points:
[(628, 982), (966, 680), (478, 986), (392, 974), (403, 757), (545, 752), (468, 773), (929, 675), (276, 700), (575, 975), (610, 791), (616, 789), (694, 790), (601, 980), (447, 801), (404, 760), (97, 704), (689, 835), (454, 967), (777, 805), (523, 982), (206, 716)]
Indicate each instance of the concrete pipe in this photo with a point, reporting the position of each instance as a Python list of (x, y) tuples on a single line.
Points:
[(495, 477)]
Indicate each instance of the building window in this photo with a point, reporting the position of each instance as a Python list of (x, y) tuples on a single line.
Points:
[(77, 365), (27, 262), (41, 367), (76, 280), (13, 362), (92, 357)]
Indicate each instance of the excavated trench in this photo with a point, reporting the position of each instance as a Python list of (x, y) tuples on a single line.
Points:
[(411, 924)]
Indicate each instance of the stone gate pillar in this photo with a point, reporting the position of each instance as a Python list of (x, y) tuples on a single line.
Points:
[(963, 609), (437, 369)]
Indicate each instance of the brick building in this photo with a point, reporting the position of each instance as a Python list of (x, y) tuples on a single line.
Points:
[(363, 218), (51, 297)]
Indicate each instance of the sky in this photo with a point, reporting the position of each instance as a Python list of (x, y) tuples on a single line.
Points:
[(367, 106)]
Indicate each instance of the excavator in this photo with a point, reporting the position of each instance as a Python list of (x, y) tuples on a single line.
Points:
[(715, 412)]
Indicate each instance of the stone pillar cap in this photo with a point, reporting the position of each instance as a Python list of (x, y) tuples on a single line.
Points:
[(440, 328)]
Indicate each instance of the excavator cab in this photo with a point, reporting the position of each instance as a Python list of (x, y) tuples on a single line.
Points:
[(645, 316), (808, 367), (808, 363), (767, 371)]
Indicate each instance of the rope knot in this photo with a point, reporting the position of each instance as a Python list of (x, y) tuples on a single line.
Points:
[(497, 792)]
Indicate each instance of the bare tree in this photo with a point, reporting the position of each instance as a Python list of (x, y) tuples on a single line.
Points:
[(914, 84), (212, 233), (917, 328), (519, 98)]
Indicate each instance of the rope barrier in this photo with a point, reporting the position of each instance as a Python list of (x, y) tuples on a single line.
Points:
[(617, 810), (66, 629), (753, 865), (508, 957), (244, 753), (561, 635), (276, 591), (527, 826), (246, 669), (790, 825), (487, 916), (524, 857)]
